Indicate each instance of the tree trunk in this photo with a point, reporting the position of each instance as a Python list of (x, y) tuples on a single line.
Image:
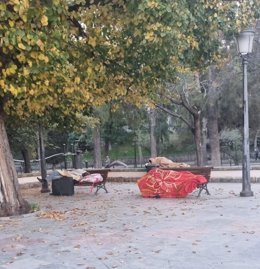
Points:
[(139, 148), (26, 158), (45, 187), (204, 141), (140, 154), (97, 147), (256, 139), (152, 116), (198, 139), (212, 110), (107, 147), (11, 201), (107, 140)]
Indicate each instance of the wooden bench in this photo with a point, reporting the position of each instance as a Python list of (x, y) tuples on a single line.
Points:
[(203, 171), (98, 185)]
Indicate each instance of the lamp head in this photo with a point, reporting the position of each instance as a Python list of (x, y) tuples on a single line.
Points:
[(245, 42)]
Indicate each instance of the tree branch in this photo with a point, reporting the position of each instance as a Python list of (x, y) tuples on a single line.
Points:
[(175, 102), (192, 109), (175, 115)]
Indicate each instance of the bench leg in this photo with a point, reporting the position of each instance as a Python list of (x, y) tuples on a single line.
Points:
[(203, 187), (101, 186)]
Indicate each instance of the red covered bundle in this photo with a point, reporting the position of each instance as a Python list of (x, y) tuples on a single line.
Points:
[(168, 183)]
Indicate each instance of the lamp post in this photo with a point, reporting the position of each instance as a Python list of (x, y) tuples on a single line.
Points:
[(64, 152), (245, 46), (135, 151)]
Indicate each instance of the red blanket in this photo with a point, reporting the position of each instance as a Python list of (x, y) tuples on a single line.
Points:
[(169, 183)]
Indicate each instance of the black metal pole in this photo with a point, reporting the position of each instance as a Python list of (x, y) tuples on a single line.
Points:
[(64, 151), (135, 155), (246, 186), (45, 187)]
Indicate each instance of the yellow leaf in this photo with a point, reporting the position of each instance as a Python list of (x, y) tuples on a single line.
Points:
[(41, 56), (21, 46), (24, 18), (26, 72), (13, 90), (44, 20), (89, 71), (92, 41), (68, 90), (21, 58), (44, 58), (16, 2), (34, 54), (11, 23), (149, 36), (77, 80), (40, 44), (11, 70), (152, 4), (25, 3), (2, 83)]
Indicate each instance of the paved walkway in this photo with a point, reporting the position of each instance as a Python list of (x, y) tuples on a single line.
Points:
[(120, 229)]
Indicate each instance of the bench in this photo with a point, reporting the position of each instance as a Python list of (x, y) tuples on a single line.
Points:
[(98, 185), (196, 170)]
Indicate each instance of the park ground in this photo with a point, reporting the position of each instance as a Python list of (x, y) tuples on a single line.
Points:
[(120, 229)]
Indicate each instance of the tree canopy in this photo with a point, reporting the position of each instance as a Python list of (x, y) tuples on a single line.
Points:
[(58, 57)]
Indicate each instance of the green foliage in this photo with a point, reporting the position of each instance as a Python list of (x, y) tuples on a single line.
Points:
[(34, 207), (21, 136), (119, 152), (231, 144)]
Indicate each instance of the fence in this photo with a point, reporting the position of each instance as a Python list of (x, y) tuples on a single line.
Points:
[(68, 161), (72, 160)]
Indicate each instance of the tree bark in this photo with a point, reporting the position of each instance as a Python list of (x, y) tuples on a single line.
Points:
[(198, 138), (204, 141), (45, 187), (256, 138), (212, 110), (107, 140), (97, 147), (139, 148), (197, 126), (11, 201), (152, 116), (26, 158)]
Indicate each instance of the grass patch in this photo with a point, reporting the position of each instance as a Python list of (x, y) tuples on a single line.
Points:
[(34, 207)]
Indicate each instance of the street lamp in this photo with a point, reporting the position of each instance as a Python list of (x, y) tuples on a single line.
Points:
[(135, 140), (64, 152), (245, 47)]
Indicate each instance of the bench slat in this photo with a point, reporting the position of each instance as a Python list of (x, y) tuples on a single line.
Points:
[(203, 170)]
